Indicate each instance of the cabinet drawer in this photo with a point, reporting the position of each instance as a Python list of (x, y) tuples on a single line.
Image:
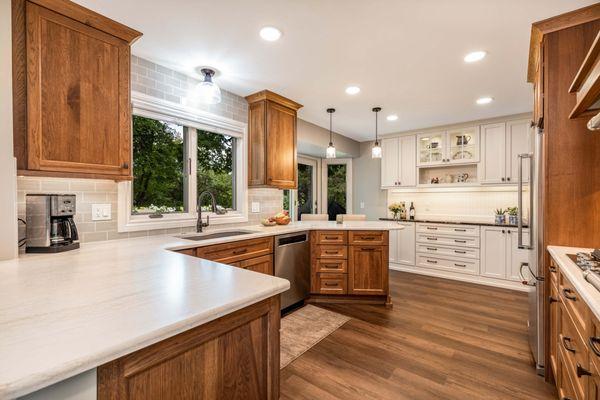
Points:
[(465, 241), (326, 265), (328, 283), (553, 273), (448, 251), (331, 237), (331, 251), (574, 350), (574, 304), (464, 266), (368, 238), (566, 389), (447, 229), (236, 251), (262, 264), (593, 341)]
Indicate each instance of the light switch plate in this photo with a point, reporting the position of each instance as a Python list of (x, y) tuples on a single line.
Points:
[(101, 212), (255, 207), (362, 204)]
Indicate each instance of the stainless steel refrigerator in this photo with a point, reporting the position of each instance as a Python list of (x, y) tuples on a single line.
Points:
[(530, 203)]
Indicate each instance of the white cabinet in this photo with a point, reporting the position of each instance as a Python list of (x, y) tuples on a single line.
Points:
[(402, 244), (501, 144), (398, 164), (457, 146), (500, 256)]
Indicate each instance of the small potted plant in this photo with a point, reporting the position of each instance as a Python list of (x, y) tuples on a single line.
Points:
[(396, 209), (512, 215), (500, 218)]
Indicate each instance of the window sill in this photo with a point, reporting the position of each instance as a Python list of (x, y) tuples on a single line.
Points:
[(136, 223)]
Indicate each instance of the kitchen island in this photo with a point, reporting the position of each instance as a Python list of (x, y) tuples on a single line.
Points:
[(65, 314)]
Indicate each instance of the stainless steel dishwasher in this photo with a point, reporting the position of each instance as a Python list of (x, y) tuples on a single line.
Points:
[(292, 262)]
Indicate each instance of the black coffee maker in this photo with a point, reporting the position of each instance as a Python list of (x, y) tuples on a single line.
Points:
[(50, 225)]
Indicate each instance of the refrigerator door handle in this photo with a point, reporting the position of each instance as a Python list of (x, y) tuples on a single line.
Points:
[(521, 245)]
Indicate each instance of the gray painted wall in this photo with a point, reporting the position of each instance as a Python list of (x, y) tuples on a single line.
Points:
[(366, 186), (313, 141)]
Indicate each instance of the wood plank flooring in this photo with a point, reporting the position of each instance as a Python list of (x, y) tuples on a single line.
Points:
[(442, 340)]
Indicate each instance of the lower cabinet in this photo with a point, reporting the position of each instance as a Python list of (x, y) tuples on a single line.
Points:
[(553, 299), (262, 264), (500, 256), (368, 270), (594, 386), (402, 244)]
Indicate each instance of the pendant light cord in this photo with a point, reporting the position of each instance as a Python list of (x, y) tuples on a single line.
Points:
[(330, 127)]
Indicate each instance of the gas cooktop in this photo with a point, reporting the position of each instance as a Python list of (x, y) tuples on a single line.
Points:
[(587, 261)]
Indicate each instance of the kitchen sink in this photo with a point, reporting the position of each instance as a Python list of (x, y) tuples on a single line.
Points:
[(214, 235)]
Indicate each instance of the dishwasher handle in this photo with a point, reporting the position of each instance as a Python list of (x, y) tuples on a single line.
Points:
[(292, 239)]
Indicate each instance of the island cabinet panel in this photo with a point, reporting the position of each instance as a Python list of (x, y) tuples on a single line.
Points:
[(233, 357), (368, 270), (228, 253), (272, 157), (76, 93)]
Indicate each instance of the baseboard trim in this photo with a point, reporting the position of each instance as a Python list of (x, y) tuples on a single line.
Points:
[(481, 280)]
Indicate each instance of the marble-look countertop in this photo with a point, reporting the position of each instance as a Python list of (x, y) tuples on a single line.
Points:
[(459, 221), (62, 314), (574, 274)]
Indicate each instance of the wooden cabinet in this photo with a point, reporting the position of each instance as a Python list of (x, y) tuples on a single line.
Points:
[(398, 162), (501, 144), (368, 270), (553, 301), (272, 154), (262, 264), (402, 244), (72, 91), (501, 257), (233, 357)]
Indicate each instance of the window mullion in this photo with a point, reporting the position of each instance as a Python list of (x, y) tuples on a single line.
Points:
[(192, 178)]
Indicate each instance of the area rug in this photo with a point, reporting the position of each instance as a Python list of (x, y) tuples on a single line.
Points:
[(304, 328)]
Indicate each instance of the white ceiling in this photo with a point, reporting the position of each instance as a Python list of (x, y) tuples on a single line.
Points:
[(407, 56)]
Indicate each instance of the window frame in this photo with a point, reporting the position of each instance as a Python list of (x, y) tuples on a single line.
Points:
[(194, 119)]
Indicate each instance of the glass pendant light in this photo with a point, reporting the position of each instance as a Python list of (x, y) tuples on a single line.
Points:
[(376, 150), (207, 91), (330, 149)]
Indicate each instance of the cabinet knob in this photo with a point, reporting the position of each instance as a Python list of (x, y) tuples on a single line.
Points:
[(508, 178), (503, 179), (125, 165), (503, 231), (399, 183)]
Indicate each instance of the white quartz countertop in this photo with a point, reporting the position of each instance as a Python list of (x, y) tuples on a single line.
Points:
[(62, 314), (574, 274)]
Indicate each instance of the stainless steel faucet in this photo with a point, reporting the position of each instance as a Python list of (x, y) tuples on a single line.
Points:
[(199, 223)]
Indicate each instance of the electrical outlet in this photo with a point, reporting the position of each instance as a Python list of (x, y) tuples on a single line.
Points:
[(101, 212), (255, 207), (362, 204)]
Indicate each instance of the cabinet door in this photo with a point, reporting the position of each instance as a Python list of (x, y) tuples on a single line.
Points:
[(368, 270), (517, 142), (594, 383), (431, 148), (463, 145), (553, 299), (390, 167), (408, 163), (406, 244), (282, 170), (78, 92), (493, 148), (257, 157), (516, 256), (262, 264), (394, 246), (493, 252)]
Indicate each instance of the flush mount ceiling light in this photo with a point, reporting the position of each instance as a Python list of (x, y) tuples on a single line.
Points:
[(207, 92), (352, 90), (392, 117), (376, 149), (484, 100), (270, 33), (330, 149), (475, 56)]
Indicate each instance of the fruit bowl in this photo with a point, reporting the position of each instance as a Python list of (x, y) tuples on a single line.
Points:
[(268, 222), (283, 221)]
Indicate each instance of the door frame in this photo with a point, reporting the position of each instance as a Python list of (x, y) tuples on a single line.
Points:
[(324, 163), (315, 163)]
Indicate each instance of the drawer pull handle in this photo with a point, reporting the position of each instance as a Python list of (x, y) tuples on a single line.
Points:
[(568, 293), (459, 230), (331, 237), (240, 251), (552, 268), (367, 238), (566, 342), (593, 341), (552, 299), (367, 248), (582, 371), (330, 266), (432, 248), (431, 228), (331, 252), (460, 251), (331, 284), (432, 261), (460, 265), (431, 238), (460, 241)]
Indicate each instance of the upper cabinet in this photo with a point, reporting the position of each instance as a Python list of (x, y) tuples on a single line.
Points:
[(459, 146), (501, 145), (586, 84), (71, 91), (398, 162), (272, 154)]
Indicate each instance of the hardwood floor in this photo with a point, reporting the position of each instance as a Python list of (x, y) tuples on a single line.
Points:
[(442, 340)]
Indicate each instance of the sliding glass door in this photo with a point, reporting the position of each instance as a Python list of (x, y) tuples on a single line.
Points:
[(337, 187)]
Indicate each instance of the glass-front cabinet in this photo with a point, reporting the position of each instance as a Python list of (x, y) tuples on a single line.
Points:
[(459, 146)]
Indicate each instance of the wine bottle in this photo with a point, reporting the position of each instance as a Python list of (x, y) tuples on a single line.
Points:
[(411, 212)]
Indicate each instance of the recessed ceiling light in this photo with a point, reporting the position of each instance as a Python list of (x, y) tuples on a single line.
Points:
[(352, 90), (270, 33), (484, 100), (392, 117), (475, 56)]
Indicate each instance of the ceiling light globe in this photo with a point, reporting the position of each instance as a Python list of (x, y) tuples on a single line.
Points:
[(270, 33), (330, 151)]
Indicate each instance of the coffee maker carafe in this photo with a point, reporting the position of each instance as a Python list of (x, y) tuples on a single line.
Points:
[(50, 225)]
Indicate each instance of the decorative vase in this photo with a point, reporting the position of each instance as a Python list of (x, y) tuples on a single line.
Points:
[(500, 219), (512, 220)]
